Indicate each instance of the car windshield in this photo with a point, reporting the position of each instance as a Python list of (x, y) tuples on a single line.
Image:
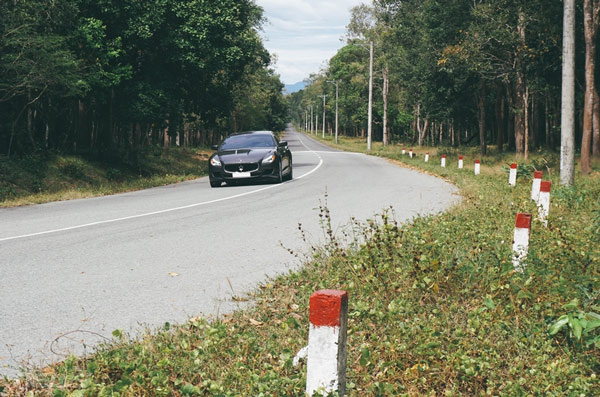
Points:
[(247, 141)]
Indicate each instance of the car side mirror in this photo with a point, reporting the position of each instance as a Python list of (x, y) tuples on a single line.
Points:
[(282, 144), (214, 147)]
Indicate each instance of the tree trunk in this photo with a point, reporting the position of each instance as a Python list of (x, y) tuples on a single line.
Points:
[(526, 123), (590, 23), (481, 105), (166, 141), (385, 105), (500, 119), (596, 126), (567, 147), (519, 114)]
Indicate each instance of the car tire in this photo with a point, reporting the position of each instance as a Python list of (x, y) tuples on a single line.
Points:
[(290, 174), (280, 175), (215, 184)]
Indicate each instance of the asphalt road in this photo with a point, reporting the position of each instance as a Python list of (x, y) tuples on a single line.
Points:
[(74, 271)]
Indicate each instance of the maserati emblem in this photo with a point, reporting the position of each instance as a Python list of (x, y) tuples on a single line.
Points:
[(241, 167)]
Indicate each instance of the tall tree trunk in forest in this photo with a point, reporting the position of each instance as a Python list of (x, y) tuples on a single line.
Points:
[(519, 113), (547, 120), (500, 119), (520, 93), (481, 105), (567, 128), (526, 123), (166, 140), (590, 23), (385, 104), (596, 126)]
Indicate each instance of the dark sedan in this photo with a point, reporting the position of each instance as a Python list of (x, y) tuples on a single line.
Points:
[(255, 155)]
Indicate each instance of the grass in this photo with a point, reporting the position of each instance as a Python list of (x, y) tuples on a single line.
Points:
[(46, 177), (435, 307)]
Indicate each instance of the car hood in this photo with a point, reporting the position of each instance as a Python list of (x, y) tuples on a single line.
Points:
[(244, 155)]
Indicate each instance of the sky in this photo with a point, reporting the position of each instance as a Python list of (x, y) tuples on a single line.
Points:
[(304, 34)]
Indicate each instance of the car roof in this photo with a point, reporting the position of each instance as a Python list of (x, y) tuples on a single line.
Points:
[(253, 133)]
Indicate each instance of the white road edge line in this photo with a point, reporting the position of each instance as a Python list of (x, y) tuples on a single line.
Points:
[(64, 229)]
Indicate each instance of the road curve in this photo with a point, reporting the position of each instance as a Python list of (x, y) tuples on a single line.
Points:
[(74, 271)]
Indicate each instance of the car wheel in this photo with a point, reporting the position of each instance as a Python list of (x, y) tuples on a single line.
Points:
[(290, 174), (280, 175), (215, 184)]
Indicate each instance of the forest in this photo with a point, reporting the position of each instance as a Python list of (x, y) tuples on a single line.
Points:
[(459, 72), (107, 78)]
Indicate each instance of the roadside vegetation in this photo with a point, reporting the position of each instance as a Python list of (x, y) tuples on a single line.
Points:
[(45, 177), (435, 307)]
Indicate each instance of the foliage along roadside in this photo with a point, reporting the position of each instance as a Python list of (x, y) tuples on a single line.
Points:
[(45, 177), (435, 308)]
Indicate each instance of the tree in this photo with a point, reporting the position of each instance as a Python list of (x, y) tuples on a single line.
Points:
[(567, 149), (591, 8)]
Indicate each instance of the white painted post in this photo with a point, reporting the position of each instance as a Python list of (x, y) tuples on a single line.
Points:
[(326, 363), (443, 160), (460, 162), (410, 153), (403, 150), (512, 177), (543, 201), (521, 240), (477, 167), (427, 157), (535, 185)]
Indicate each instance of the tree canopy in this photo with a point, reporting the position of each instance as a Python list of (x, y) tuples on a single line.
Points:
[(109, 76), (458, 72)]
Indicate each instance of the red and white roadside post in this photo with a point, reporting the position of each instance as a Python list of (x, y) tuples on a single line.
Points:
[(326, 362), (535, 185), (512, 176), (410, 153), (521, 240), (460, 162), (477, 167), (443, 164), (427, 157), (543, 201), (403, 151)]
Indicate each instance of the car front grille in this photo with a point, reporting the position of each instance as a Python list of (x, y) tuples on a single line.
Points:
[(242, 167)]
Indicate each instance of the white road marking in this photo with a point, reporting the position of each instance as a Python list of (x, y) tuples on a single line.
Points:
[(125, 218)]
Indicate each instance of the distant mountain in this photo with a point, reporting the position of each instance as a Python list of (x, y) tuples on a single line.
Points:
[(291, 88)]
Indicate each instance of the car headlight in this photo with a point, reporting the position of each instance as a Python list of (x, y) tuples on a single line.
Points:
[(269, 159), (215, 162)]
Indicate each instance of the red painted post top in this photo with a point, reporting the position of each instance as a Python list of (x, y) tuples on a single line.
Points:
[(443, 156), (410, 150), (427, 153), (513, 166), (460, 157), (477, 162), (523, 221), (545, 186), (326, 307), (538, 175)]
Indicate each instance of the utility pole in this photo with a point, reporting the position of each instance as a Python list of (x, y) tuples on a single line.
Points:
[(323, 96), (311, 118), (337, 96), (370, 121), (316, 118), (307, 122)]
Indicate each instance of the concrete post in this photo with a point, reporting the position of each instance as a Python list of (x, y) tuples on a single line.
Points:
[(326, 363), (521, 240), (512, 176), (535, 185)]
